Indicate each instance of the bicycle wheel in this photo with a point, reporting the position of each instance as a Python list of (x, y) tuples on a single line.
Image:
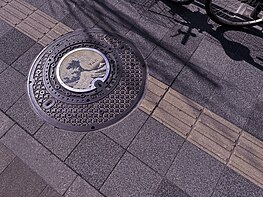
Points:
[(238, 13), (183, 2)]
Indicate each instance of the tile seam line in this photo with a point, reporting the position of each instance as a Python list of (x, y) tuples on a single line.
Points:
[(130, 152), (161, 99), (30, 25), (240, 172), (155, 84), (14, 103), (35, 11), (235, 146), (177, 118), (16, 8), (14, 25), (179, 108), (219, 121), (218, 181), (60, 160), (252, 141), (178, 129), (9, 163), (236, 169), (46, 149), (39, 195), (126, 149), (185, 140), (199, 130), (208, 152), (69, 186), (253, 165), (168, 86), (251, 153), (11, 13), (212, 140), (43, 146), (15, 122)]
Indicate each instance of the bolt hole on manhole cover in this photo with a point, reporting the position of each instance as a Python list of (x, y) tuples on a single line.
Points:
[(86, 80)]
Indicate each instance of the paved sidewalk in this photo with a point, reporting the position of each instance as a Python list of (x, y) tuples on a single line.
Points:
[(198, 131), (17, 179)]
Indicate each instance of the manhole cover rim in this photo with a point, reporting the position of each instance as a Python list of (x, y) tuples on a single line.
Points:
[(92, 127)]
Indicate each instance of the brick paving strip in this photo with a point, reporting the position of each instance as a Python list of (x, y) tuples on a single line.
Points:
[(213, 134)]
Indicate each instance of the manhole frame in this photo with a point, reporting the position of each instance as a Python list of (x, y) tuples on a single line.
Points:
[(37, 109)]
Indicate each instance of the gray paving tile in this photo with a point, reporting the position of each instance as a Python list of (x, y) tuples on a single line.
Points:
[(56, 9), (5, 124), (19, 180), (12, 87), (39, 159), (111, 25), (4, 28), (3, 66), (58, 141), (131, 178), (211, 57), (79, 20), (254, 123), (49, 192), (23, 114), (194, 171), (144, 44), (81, 14), (254, 126), (251, 52), (231, 103), (6, 157), (232, 184), (127, 11), (124, 131), (82, 188), (36, 3), (24, 62), (168, 189), (180, 43), (118, 18), (156, 11), (187, 15), (150, 28), (156, 145), (164, 65), (95, 157), (228, 39), (13, 45), (196, 83), (244, 76)]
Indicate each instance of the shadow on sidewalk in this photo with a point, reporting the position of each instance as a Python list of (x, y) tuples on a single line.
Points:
[(166, 14)]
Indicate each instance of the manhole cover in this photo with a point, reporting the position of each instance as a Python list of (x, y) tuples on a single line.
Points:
[(86, 80)]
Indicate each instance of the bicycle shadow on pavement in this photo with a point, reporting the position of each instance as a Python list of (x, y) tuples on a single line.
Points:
[(126, 20), (194, 20), (97, 12)]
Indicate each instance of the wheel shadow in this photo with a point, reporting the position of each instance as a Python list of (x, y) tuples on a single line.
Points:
[(192, 18), (195, 20)]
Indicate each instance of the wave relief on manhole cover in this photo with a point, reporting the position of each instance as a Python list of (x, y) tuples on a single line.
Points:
[(86, 80)]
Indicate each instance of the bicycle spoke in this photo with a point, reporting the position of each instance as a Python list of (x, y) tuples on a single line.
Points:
[(234, 12)]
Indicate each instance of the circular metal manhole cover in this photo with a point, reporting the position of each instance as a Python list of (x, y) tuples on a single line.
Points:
[(86, 80)]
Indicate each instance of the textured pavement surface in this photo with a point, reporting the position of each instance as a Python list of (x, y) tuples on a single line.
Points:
[(218, 68)]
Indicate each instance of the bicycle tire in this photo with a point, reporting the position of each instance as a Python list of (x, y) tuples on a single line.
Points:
[(182, 2), (230, 18)]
